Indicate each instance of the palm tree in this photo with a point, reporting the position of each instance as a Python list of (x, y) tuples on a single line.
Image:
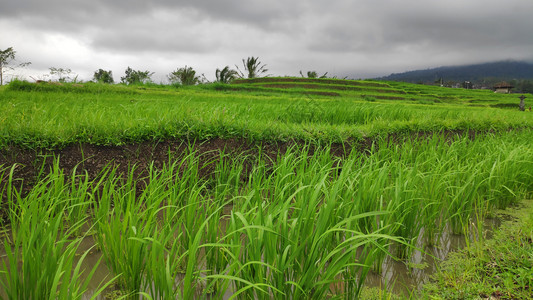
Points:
[(313, 74), (253, 67), (226, 75), (184, 76)]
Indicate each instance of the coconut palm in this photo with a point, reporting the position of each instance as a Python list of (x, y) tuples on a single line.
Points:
[(184, 76), (253, 68), (313, 74), (226, 75)]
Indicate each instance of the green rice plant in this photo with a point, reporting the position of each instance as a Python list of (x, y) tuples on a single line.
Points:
[(80, 199), (281, 261), (432, 188), (406, 207), (163, 265), (40, 253), (510, 178), (121, 222), (228, 174), (203, 241), (299, 246), (303, 225), (174, 273), (147, 238), (117, 115)]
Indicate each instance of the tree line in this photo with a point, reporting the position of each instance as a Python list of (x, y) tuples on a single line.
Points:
[(251, 67)]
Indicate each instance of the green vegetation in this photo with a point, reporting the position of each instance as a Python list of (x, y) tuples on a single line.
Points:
[(307, 225), (501, 267), (226, 75), (7, 58), (518, 73), (302, 224), (63, 74), (53, 115), (103, 76), (184, 76), (253, 68), (313, 74), (136, 76), (42, 242)]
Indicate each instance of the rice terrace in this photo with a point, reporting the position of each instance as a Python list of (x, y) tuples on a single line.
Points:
[(264, 188)]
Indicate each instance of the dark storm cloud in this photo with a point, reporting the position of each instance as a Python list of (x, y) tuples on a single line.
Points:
[(253, 12), (337, 36), (448, 24), (190, 26)]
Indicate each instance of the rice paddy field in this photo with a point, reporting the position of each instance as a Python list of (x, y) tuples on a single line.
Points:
[(272, 188)]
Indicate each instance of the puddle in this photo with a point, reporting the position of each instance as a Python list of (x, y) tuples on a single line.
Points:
[(399, 278)]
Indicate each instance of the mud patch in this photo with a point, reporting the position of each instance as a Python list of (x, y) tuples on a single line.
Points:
[(26, 165)]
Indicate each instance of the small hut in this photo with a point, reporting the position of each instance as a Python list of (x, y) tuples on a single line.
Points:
[(503, 88)]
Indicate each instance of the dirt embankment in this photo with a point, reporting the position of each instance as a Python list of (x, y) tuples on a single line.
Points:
[(28, 163), (326, 87), (312, 80)]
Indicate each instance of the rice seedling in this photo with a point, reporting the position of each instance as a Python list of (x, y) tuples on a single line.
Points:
[(123, 221), (303, 225), (40, 249)]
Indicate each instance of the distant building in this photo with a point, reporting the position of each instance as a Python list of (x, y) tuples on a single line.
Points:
[(503, 88)]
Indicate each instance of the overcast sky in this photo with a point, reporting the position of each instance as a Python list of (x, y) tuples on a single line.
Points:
[(354, 38)]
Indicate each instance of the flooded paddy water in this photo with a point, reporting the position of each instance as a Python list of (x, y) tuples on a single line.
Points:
[(402, 277)]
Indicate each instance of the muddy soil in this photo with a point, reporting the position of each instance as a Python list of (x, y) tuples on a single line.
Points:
[(27, 164)]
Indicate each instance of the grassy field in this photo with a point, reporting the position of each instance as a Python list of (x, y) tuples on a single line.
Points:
[(47, 115), (308, 222)]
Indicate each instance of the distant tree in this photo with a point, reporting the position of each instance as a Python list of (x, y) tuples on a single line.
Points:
[(136, 77), (466, 85), (313, 74), (63, 74), (226, 75), (253, 68), (449, 83), (7, 57), (103, 76), (523, 86), (184, 76)]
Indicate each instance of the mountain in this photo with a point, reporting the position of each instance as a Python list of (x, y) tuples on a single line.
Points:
[(477, 74)]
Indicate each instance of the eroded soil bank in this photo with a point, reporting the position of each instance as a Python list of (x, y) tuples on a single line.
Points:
[(93, 158)]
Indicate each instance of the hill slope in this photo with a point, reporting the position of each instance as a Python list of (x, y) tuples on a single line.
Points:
[(478, 73)]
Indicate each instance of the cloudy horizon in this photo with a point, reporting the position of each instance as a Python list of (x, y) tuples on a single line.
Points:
[(357, 39)]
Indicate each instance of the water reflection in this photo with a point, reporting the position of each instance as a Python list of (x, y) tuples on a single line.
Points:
[(401, 277)]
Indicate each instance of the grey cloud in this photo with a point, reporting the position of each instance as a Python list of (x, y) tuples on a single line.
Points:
[(177, 33), (252, 12), (371, 35)]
